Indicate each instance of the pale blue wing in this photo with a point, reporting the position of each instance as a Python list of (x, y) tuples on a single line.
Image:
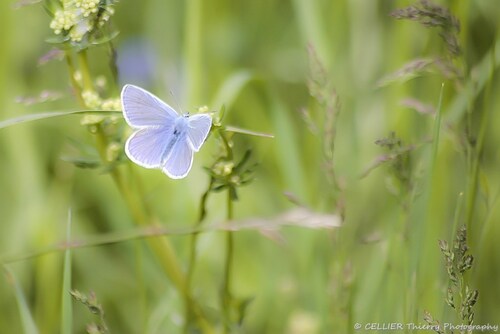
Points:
[(179, 160), (146, 146), (198, 129), (142, 109)]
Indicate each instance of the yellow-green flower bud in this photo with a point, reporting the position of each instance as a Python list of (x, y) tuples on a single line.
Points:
[(113, 151), (91, 99)]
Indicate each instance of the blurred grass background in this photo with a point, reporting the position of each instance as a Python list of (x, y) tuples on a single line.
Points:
[(316, 282)]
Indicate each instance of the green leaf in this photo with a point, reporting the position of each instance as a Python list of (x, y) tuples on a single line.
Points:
[(243, 161), (22, 3), (242, 306), (458, 106), (105, 39), (231, 88), (219, 188), (58, 39), (233, 193), (248, 132), (84, 148), (222, 111), (51, 6), (83, 162)]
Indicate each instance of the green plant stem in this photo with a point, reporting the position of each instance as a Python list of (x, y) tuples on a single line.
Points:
[(420, 222), (312, 27), (85, 71), (437, 131), (477, 150), (226, 287), (227, 145), (161, 247), (74, 83), (456, 219), (193, 50), (192, 249), (112, 64), (194, 236), (66, 305), (226, 284)]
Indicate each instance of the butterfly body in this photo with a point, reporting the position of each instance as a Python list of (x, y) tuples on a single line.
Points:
[(162, 139), (178, 133)]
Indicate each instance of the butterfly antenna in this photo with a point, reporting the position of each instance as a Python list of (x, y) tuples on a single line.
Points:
[(176, 102)]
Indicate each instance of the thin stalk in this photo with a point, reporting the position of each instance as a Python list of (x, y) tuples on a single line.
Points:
[(226, 287), (66, 305), (27, 321), (142, 299), (421, 221), (194, 237), (477, 150), (311, 27), (74, 83), (193, 50), (192, 250), (85, 71), (161, 247), (226, 284), (456, 219), (437, 131), (227, 145), (113, 65)]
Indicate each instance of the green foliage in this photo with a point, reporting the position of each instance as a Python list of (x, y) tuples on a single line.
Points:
[(345, 132)]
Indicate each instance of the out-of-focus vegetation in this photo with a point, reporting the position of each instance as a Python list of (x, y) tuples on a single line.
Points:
[(383, 115)]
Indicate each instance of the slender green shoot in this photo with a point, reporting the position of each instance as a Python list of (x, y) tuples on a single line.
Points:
[(28, 324), (66, 302)]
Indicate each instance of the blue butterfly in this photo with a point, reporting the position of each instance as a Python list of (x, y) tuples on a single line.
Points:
[(162, 138)]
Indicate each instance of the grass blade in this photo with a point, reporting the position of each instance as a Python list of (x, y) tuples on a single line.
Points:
[(422, 215), (301, 217), (231, 88), (248, 132), (29, 326), (473, 88), (66, 305), (49, 114)]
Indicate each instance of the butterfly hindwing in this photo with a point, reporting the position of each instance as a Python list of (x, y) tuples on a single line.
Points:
[(146, 146), (180, 159)]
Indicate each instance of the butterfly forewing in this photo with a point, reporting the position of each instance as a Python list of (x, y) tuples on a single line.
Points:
[(142, 109)]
